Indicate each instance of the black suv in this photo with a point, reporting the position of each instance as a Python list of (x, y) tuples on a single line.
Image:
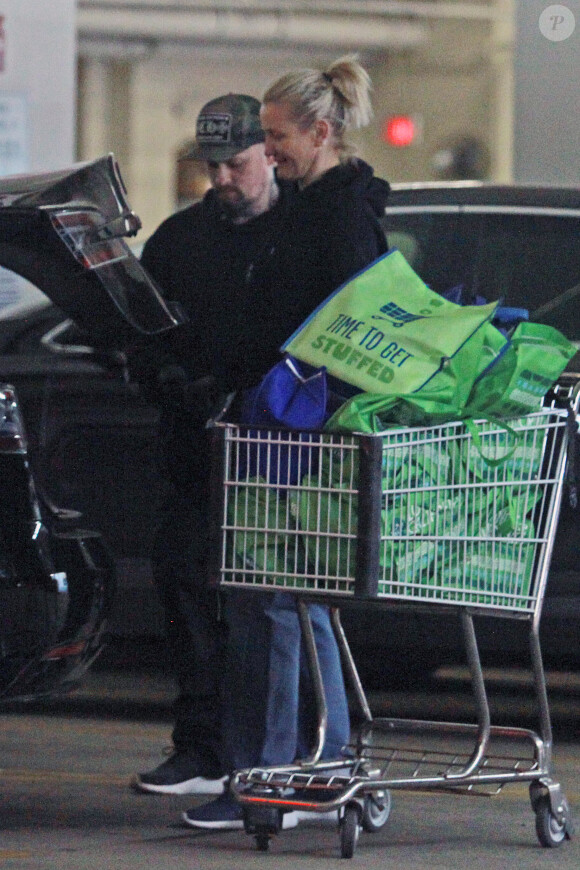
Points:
[(63, 232), (92, 432), (522, 245)]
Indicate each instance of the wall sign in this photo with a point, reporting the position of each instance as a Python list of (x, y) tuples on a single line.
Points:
[(13, 134)]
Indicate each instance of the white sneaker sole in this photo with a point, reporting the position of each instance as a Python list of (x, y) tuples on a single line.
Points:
[(197, 785), (327, 818), (231, 825), (289, 820)]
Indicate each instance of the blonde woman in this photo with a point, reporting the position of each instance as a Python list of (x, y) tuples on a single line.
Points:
[(331, 231), (306, 117)]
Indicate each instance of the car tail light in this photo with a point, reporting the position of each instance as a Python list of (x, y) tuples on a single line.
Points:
[(12, 435), (87, 239), (65, 651)]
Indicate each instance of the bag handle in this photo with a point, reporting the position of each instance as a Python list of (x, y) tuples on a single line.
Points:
[(291, 364), (572, 470), (469, 423)]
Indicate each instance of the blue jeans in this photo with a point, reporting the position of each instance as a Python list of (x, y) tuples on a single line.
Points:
[(270, 716)]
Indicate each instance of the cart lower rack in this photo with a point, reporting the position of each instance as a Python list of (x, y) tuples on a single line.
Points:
[(459, 518)]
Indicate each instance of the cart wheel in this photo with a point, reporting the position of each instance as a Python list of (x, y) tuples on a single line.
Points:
[(262, 842), (550, 831), (262, 820), (349, 830), (376, 811)]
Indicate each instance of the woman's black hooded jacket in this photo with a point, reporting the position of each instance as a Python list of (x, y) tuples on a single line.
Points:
[(330, 231)]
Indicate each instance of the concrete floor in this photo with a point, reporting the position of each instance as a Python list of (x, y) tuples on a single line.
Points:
[(66, 801)]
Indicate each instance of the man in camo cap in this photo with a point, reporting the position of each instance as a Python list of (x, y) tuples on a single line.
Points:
[(225, 126), (230, 139), (217, 259)]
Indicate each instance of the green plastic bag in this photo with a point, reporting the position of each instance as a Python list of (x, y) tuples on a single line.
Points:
[(516, 383), (386, 332), (373, 413), (521, 372), (262, 541)]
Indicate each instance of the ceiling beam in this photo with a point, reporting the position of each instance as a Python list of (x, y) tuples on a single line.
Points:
[(248, 27)]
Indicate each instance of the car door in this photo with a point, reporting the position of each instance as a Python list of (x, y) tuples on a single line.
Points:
[(521, 245), (91, 432)]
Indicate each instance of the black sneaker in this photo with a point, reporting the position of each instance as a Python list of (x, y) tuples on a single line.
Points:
[(181, 773), (226, 814)]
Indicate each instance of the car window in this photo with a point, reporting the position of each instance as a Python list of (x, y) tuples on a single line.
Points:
[(524, 259)]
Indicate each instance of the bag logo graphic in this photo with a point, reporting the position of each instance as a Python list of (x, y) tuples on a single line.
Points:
[(397, 316)]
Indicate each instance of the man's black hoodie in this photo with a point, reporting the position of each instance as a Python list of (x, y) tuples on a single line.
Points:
[(246, 288)]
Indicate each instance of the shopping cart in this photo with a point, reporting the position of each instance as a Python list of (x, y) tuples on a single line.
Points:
[(451, 518)]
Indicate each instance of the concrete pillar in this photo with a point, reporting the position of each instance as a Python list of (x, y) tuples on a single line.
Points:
[(502, 65), (93, 137), (104, 109), (547, 92)]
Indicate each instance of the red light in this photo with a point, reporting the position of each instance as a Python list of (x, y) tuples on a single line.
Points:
[(62, 652), (399, 130)]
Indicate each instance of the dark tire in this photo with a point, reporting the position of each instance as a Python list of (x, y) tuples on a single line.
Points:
[(262, 820), (377, 810), (550, 831), (262, 842), (349, 830)]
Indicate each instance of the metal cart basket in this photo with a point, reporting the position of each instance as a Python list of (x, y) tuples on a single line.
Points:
[(459, 518)]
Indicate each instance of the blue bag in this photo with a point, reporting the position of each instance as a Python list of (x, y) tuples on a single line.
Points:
[(291, 395)]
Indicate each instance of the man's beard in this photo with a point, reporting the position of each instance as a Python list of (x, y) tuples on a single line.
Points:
[(238, 208), (241, 208)]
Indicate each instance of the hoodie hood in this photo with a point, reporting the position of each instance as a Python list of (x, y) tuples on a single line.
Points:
[(354, 175)]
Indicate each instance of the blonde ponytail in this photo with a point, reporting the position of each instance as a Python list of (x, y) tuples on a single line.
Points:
[(340, 94)]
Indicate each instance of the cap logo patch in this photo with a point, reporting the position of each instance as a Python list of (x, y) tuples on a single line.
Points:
[(214, 129)]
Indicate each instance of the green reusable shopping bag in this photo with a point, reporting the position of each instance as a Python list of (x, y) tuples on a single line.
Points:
[(469, 386), (373, 413), (327, 510), (442, 400), (262, 541), (515, 384), (384, 331)]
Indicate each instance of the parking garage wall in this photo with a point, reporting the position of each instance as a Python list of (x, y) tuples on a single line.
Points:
[(547, 95), (145, 109)]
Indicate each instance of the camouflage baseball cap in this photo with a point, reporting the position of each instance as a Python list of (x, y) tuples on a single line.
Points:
[(225, 126)]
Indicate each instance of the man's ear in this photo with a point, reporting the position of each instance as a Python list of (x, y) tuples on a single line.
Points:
[(270, 160)]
